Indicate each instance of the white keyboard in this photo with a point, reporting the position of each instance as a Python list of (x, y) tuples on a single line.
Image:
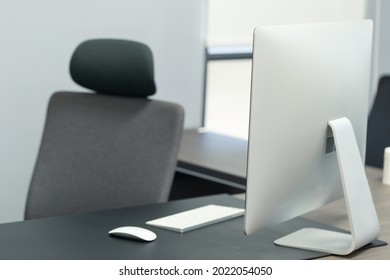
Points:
[(196, 218)]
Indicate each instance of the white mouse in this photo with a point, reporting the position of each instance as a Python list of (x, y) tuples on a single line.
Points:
[(135, 233)]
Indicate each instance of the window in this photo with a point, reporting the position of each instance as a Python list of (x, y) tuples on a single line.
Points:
[(229, 40)]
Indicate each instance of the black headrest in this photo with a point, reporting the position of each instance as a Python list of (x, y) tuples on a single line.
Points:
[(111, 66)]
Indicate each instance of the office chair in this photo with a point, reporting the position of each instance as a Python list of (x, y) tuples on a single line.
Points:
[(109, 149), (378, 127)]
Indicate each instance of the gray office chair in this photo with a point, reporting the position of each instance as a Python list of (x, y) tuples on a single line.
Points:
[(378, 127), (109, 149)]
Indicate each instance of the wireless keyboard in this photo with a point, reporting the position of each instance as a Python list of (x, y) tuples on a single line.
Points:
[(196, 218)]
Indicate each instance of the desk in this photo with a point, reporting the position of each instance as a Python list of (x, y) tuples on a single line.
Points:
[(84, 236), (209, 163), (214, 157)]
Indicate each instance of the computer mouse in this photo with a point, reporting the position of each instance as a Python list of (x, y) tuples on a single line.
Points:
[(135, 233)]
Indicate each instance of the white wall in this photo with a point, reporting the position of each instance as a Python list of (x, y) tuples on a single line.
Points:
[(233, 21), (37, 39)]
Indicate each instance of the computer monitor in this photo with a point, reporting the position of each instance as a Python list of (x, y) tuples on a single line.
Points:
[(307, 131)]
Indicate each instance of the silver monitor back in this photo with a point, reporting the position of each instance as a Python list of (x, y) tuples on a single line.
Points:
[(302, 77)]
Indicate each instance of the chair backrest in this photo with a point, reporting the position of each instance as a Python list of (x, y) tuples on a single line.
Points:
[(108, 150), (378, 127)]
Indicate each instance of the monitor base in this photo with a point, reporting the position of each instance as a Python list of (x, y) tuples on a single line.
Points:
[(363, 220), (319, 240)]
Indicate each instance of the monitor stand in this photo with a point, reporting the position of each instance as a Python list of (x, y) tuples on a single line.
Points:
[(363, 221)]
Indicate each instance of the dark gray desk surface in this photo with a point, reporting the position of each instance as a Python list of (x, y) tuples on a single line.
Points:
[(213, 156), (85, 236)]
